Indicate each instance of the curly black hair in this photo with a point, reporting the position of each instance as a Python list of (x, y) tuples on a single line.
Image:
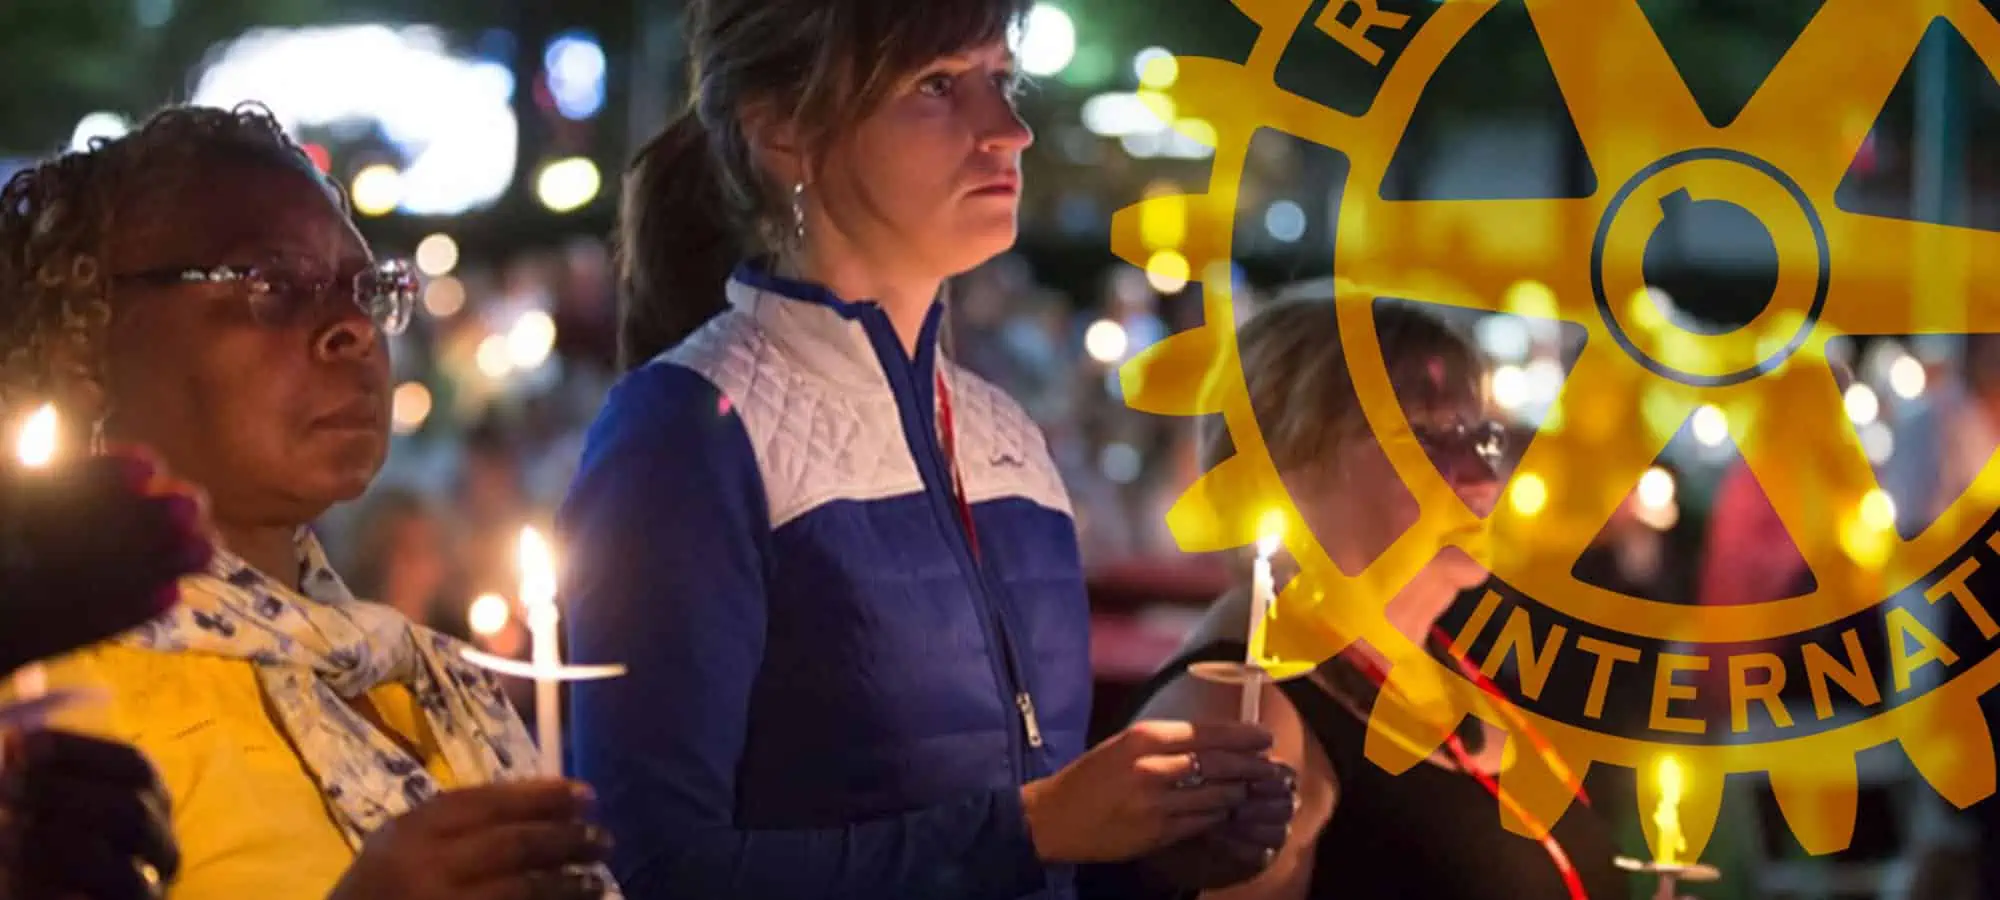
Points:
[(58, 218)]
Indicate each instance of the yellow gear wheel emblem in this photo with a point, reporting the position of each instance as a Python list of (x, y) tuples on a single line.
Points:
[(1651, 148)]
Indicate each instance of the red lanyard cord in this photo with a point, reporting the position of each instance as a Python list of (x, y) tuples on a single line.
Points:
[(1542, 747), (948, 436)]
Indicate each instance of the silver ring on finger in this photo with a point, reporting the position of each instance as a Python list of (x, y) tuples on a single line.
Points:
[(1193, 778), (149, 875)]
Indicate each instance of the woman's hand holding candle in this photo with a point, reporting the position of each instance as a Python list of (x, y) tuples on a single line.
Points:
[(94, 546)]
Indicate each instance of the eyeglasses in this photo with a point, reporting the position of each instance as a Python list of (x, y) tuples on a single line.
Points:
[(1449, 445), (386, 291)]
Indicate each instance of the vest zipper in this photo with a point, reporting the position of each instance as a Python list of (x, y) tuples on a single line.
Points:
[(936, 478)]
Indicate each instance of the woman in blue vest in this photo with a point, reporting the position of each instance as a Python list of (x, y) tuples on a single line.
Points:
[(842, 569)]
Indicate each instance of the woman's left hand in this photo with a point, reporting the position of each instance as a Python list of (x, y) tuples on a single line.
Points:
[(91, 549), (82, 817), (1239, 848)]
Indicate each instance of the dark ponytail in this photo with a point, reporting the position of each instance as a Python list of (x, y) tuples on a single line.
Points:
[(676, 242)]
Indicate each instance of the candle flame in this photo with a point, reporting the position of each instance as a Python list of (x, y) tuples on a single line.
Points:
[(538, 571), (1667, 815), (1270, 532), (36, 445)]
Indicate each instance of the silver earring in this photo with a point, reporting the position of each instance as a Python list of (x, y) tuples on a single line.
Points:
[(96, 447), (799, 211)]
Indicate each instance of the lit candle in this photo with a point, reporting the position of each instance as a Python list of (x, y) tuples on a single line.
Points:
[(36, 445), (1262, 604), (538, 598), (36, 448), (545, 665), (1667, 814)]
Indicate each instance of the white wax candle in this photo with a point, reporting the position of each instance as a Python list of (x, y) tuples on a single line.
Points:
[(548, 702), (538, 597), (1262, 587)]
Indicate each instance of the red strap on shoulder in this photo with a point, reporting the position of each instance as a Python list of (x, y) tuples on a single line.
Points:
[(948, 436)]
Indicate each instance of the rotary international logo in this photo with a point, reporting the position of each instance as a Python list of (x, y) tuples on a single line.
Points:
[(1840, 273)]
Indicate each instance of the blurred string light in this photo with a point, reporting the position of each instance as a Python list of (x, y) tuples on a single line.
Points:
[(1658, 507), (1285, 221), (1545, 381), (1046, 43), (1866, 534), (492, 357), (1155, 68), (1528, 494), (530, 340), (1907, 377), (444, 297), (1878, 441), (1711, 427), (409, 406), (1106, 341), (1509, 388), (450, 117), (1504, 338), (1168, 272), (575, 66), (105, 125), (1656, 487), (567, 185), (377, 190), (1649, 309), (437, 255), (1862, 405), (489, 615), (1147, 124), (1118, 115), (1120, 462), (1163, 219), (1877, 510), (1530, 298)]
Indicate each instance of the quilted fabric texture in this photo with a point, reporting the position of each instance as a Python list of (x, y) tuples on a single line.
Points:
[(819, 439)]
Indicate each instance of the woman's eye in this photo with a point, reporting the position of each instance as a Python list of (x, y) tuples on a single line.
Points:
[(938, 85)]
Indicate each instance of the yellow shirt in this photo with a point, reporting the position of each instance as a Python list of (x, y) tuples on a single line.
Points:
[(249, 818)]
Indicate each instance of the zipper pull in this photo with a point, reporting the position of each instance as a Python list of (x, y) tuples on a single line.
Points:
[(1034, 728)]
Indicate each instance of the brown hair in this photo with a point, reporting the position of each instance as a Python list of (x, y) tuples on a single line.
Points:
[(1302, 390), (695, 202), (58, 220)]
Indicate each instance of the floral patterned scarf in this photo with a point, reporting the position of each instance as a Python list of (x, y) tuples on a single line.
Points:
[(317, 650)]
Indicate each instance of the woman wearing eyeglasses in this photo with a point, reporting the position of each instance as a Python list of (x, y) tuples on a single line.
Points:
[(196, 287), (1360, 834)]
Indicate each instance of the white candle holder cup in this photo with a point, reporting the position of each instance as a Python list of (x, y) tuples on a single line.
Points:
[(1247, 677), (1671, 875), (546, 677)]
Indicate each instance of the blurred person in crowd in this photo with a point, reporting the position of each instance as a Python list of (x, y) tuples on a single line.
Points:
[(586, 313), (1359, 833), (1132, 458), (401, 557), (196, 286), (491, 505), (812, 538), (80, 816)]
